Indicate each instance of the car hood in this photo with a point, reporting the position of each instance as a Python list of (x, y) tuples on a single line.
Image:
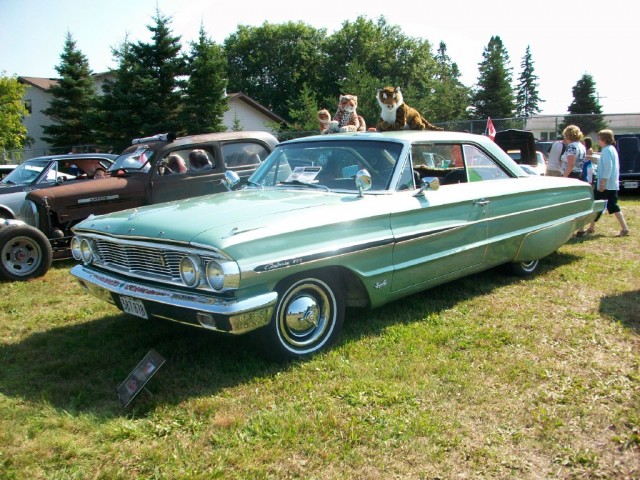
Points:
[(225, 219)]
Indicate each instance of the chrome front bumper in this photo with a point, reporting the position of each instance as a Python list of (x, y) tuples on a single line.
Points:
[(193, 308)]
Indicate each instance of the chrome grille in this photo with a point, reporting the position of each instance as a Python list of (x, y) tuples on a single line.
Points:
[(141, 260)]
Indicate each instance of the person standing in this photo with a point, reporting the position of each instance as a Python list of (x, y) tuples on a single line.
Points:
[(607, 181), (574, 156), (553, 161)]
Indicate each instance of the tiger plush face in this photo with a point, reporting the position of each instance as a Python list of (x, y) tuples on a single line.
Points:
[(390, 98)]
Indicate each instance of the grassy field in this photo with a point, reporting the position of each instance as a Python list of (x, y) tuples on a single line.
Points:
[(490, 377)]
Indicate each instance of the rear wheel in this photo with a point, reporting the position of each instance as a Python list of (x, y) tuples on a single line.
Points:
[(25, 252), (308, 317), (524, 269)]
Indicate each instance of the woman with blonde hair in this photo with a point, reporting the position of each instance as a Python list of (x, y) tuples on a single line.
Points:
[(574, 156), (607, 183)]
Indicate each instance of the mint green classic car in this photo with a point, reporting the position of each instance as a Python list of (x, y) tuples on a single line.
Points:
[(325, 223)]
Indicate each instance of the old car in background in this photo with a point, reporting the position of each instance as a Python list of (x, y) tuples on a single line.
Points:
[(521, 146), (43, 172), (6, 169), (540, 168), (154, 169), (328, 222)]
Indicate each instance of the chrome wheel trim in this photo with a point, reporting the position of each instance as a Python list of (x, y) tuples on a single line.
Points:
[(529, 266), (306, 316), (21, 256)]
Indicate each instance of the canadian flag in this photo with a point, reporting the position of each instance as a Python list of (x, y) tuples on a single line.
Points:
[(491, 130)]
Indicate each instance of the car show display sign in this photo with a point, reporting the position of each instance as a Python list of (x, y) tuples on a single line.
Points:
[(139, 376)]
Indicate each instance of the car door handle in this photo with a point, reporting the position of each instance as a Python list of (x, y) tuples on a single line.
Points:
[(482, 202)]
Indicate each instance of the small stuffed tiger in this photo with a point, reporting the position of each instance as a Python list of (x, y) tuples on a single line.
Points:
[(397, 115), (346, 118)]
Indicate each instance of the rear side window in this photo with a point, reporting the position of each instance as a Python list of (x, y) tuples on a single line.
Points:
[(242, 154)]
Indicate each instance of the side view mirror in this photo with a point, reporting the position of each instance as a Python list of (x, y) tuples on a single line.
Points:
[(363, 181), (231, 179), (428, 183)]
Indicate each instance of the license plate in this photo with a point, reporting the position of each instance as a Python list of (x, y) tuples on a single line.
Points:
[(630, 184), (133, 306)]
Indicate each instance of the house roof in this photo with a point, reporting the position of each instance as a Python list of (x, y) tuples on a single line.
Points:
[(47, 83), (252, 103), (39, 82)]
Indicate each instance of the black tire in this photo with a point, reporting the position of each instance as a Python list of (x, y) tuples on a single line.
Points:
[(524, 269), (308, 317), (25, 252)]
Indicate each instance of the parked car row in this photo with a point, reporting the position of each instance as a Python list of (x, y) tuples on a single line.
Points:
[(324, 223), (43, 198)]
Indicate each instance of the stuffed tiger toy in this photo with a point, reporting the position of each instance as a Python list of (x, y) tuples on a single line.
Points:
[(346, 118), (397, 115)]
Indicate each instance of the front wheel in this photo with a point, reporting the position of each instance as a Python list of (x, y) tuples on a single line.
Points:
[(524, 269), (308, 317), (25, 252)]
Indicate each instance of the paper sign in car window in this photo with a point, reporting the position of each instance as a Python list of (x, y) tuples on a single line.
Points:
[(304, 174)]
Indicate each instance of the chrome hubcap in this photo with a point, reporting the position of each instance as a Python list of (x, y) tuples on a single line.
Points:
[(306, 316), (21, 256)]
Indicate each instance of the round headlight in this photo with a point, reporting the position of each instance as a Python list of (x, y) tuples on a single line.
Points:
[(75, 248), (190, 270), (215, 275), (86, 254)]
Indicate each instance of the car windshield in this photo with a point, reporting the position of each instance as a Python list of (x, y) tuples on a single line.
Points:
[(331, 164), (25, 173), (138, 160)]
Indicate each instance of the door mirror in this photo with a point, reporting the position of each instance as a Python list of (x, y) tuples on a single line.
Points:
[(363, 181), (231, 179), (428, 183)]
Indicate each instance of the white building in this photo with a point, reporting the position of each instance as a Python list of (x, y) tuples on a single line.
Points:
[(249, 113)]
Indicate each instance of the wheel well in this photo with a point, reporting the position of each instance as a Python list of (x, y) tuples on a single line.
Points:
[(4, 213), (355, 294)]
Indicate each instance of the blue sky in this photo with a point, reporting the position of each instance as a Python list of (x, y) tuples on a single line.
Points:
[(567, 39)]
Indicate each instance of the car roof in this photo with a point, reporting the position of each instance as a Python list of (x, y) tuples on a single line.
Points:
[(107, 156), (207, 137), (403, 136)]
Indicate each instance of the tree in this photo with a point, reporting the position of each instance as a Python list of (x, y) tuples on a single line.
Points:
[(303, 111), (585, 110), (527, 99), (13, 134), (451, 97), (121, 108), (204, 101), (73, 98), (271, 63), (494, 96), (145, 96), (161, 64), (360, 82)]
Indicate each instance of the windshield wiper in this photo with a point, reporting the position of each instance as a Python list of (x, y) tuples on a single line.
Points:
[(298, 183)]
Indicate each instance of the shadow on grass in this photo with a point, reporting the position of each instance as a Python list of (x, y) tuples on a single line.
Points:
[(438, 299), (77, 368), (624, 307)]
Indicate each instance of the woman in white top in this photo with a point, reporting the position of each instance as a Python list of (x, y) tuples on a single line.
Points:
[(575, 154)]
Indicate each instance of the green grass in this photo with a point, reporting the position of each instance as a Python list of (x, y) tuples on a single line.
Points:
[(489, 377)]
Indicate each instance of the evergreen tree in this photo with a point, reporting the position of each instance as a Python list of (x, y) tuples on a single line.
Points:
[(585, 110), (494, 95), (161, 64), (205, 102), (237, 124), (527, 99), (452, 97), (121, 108), (13, 134), (72, 100), (304, 111)]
